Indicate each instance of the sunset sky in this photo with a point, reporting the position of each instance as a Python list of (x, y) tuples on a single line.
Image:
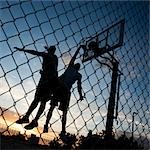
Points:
[(65, 24), (11, 117)]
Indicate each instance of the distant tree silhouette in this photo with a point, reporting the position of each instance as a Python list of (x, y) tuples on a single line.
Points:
[(55, 144), (67, 142), (95, 141), (70, 141)]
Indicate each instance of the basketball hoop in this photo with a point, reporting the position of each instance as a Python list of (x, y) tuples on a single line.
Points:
[(104, 42)]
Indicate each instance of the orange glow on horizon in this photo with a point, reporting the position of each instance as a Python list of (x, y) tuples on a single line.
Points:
[(8, 120)]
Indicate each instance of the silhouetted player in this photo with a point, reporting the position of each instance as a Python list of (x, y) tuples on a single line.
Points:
[(62, 93), (48, 81)]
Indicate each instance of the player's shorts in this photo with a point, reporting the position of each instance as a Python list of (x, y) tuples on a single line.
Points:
[(45, 88), (61, 96)]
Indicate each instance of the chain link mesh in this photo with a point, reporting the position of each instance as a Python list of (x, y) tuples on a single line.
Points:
[(64, 24)]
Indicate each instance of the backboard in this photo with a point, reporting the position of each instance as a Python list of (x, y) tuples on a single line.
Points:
[(108, 40)]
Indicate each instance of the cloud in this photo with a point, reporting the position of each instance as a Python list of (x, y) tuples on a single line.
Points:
[(3, 86), (8, 114), (66, 58), (10, 117), (147, 112), (133, 74)]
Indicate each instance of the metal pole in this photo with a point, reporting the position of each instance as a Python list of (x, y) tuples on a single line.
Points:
[(134, 113), (111, 103)]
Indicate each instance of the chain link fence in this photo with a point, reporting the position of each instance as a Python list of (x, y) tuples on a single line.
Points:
[(64, 24)]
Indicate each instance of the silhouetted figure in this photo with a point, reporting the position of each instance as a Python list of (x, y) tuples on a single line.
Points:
[(48, 81), (62, 93)]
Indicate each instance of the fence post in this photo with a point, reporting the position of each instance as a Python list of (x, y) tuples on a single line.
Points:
[(111, 103)]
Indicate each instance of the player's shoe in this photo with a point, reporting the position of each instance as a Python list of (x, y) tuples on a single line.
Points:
[(31, 125), (23, 120)]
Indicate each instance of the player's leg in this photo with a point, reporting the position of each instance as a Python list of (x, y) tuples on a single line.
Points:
[(34, 122), (54, 102), (34, 104), (41, 110), (64, 120), (25, 119), (49, 115), (36, 100), (65, 104)]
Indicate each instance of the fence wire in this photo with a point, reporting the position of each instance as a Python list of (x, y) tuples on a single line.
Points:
[(35, 24)]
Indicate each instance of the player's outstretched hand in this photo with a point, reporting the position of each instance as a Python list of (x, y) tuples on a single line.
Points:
[(20, 49)]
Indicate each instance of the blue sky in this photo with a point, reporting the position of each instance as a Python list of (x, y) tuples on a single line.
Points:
[(64, 23)]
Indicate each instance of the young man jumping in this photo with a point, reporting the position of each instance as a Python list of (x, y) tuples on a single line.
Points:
[(62, 93), (48, 81)]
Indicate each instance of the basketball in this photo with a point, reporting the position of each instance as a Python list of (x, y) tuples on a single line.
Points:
[(93, 45)]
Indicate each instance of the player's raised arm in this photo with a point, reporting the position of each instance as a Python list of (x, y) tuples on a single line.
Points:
[(33, 52), (79, 89), (74, 57)]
